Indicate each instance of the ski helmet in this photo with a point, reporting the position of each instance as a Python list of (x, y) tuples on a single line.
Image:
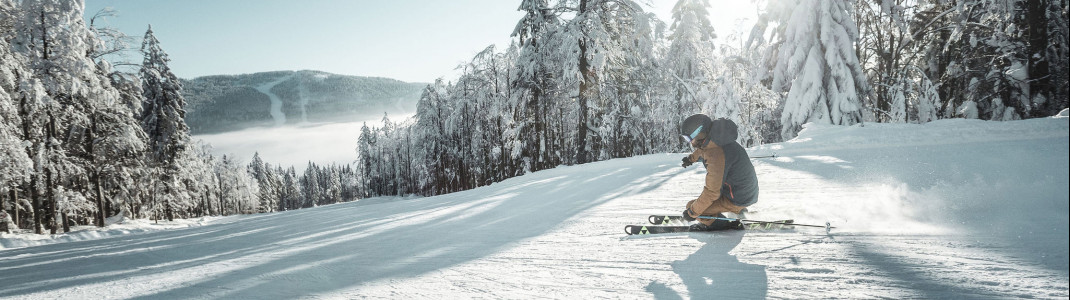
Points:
[(694, 125)]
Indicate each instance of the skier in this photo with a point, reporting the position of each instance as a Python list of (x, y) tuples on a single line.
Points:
[(731, 184)]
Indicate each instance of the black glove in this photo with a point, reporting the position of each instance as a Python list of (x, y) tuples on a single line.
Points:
[(687, 216), (687, 162)]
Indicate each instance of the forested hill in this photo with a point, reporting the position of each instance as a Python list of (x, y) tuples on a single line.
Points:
[(229, 102)]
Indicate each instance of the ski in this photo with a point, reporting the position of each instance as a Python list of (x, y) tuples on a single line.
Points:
[(666, 220), (779, 224), (746, 221), (679, 220), (657, 226), (655, 229)]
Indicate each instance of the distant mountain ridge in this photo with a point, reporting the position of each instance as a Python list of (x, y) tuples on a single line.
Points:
[(222, 103)]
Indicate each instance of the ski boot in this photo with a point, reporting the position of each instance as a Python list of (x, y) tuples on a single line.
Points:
[(717, 225)]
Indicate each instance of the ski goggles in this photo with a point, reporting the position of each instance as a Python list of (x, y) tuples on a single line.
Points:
[(694, 134)]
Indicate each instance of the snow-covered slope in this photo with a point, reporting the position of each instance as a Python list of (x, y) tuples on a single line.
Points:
[(954, 208)]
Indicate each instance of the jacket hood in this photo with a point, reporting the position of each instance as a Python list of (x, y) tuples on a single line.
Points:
[(723, 132)]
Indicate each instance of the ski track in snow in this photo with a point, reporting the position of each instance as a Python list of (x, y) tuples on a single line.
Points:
[(928, 217), (276, 103)]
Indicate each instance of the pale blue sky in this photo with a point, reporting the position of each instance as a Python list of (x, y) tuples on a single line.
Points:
[(408, 40)]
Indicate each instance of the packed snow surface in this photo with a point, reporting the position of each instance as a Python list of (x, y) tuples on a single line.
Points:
[(948, 209)]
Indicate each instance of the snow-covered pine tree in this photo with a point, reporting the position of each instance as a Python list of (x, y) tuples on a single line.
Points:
[(238, 189), (403, 152), (349, 178), (266, 179), (1038, 24), (222, 189), (595, 43), (388, 159), (1005, 62), (884, 36), (927, 101), (689, 60), (163, 117), (460, 129), (15, 164), (291, 188), (534, 80), (332, 183), (985, 60), (310, 186), (479, 108), (59, 47), (815, 63), (625, 109), (8, 17), (580, 45), (115, 143), (273, 182), (122, 147), (496, 141), (737, 95), (1054, 43), (994, 55), (365, 160), (198, 178)]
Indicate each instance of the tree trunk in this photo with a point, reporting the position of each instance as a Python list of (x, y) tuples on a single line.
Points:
[(540, 128), (134, 211), (107, 206), (3, 215), (101, 210), (587, 88), (169, 211), (155, 204), (50, 183), (38, 207), (206, 207), (35, 196), (95, 177), (220, 194), (66, 222), (50, 191), (1037, 38), (15, 218)]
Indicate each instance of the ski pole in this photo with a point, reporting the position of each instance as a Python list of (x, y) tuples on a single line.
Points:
[(764, 156), (827, 225)]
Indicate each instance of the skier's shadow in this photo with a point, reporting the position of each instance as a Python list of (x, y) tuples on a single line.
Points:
[(712, 273)]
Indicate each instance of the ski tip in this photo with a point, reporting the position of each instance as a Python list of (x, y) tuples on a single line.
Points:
[(654, 219), (638, 230)]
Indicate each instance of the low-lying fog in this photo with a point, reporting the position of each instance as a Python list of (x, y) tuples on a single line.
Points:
[(293, 145)]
